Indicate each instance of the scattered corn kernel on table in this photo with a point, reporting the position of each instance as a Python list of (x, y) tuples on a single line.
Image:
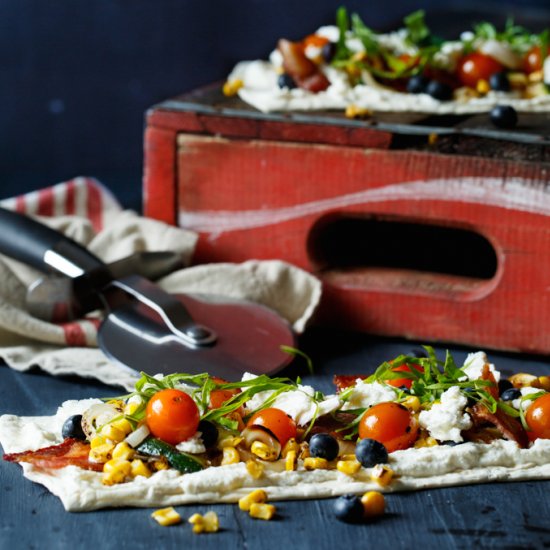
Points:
[(499, 515)]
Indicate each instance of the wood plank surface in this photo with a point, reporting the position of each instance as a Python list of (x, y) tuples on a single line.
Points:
[(503, 516)]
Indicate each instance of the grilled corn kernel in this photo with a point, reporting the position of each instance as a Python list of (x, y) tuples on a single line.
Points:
[(123, 450), (264, 451), (116, 471), (256, 496), (290, 445), (544, 383), (315, 463), (374, 504), (432, 138), (482, 86), (354, 111), (535, 90), (229, 442), (427, 441), (139, 468), (208, 523), (304, 451), (412, 403), (382, 474), (261, 511), (131, 408), (535, 76), (517, 80), (255, 469), (166, 516), (101, 453), (348, 467), (523, 380), (123, 425), (230, 456), (231, 87), (160, 464), (112, 433), (97, 441), (291, 461)]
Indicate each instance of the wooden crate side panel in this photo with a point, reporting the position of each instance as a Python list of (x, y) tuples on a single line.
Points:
[(262, 199)]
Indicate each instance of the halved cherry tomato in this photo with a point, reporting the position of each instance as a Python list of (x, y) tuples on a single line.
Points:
[(407, 382), (172, 416), (538, 418), (533, 60), (475, 67), (277, 422), (391, 424)]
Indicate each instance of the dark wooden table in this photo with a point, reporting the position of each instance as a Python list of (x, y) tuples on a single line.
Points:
[(500, 515)]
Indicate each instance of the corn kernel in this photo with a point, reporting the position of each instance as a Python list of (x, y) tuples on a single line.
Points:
[(348, 467), (255, 469), (291, 461), (101, 453), (262, 511), (208, 523), (544, 383), (117, 403), (535, 90), (517, 80), (256, 496), (97, 441), (230, 456), (315, 463), (229, 442), (263, 451), (231, 87), (535, 76), (139, 468), (354, 111), (304, 450), (374, 504), (432, 138), (412, 403), (123, 425), (482, 86), (116, 471), (523, 380), (347, 456), (426, 441), (161, 464), (290, 445), (123, 450), (112, 433), (382, 474), (166, 516), (131, 408)]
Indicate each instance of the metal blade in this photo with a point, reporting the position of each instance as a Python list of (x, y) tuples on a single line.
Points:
[(250, 337)]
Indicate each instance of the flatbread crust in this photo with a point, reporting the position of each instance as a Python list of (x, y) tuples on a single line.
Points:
[(424, 468)]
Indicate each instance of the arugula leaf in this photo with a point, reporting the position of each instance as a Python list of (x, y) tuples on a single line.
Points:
[(417, 30), (298, 353), (366, 35), (342, 22)]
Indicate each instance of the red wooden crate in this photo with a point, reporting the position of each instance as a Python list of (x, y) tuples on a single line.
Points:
[(429, 228)]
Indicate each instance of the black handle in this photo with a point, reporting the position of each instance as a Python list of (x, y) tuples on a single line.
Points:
[(47, 250)]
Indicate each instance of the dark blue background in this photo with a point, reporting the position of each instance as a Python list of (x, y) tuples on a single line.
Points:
[(77, 76)]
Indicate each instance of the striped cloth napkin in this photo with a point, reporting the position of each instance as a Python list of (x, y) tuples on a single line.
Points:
[(87, 212)]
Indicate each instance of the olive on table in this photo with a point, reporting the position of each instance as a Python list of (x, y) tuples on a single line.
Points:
[(323, 445), (370, 452), (72, 427)]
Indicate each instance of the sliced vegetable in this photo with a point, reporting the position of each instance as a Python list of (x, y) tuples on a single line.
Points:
[(183, 462)]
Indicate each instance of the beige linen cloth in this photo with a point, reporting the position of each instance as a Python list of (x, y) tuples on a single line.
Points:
[(85, 211)]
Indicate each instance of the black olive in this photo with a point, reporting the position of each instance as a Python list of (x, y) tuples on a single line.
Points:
[(370, 452), (499, 82), (209, 433), (439, 90), (349, 508), (72, 427), (504, 116), (510, 394), (328, 51), (286, 81), (323, 446), (417, 84), (504, 385)]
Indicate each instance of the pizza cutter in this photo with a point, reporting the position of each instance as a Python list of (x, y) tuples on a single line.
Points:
[(147, 329)]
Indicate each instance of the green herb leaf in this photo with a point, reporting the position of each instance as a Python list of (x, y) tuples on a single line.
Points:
[(417, 30), (298, 353), (342, 22)]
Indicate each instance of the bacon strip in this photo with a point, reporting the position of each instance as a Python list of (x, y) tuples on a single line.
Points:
[(71, 452), (343, 381), (509, 427)]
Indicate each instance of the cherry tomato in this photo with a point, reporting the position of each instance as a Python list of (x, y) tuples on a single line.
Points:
[(219, 397), (407, 382), (172, 416), (477, 66), (538, 418), (533, 60), (390, 424), (277, 422)]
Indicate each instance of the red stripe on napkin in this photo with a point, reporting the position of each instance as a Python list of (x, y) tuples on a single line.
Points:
[(74, 334), (94, 205), (45, 202)]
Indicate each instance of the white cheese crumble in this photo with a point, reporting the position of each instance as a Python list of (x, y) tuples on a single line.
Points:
[(474, 363), (524, 404), (193, 445), (366, 395), (445, 420)]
